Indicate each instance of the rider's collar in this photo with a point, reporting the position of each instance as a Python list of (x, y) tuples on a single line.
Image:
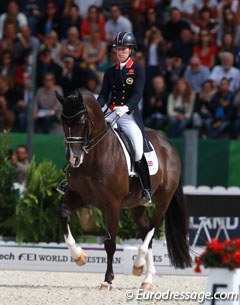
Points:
[(127, 63)]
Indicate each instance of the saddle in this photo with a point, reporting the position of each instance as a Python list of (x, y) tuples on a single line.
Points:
[(149, 153)]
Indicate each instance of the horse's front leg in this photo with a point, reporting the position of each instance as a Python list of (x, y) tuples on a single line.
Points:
[(112, 218), (77, 253)]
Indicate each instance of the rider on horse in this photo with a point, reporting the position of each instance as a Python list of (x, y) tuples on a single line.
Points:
[(120, 95)]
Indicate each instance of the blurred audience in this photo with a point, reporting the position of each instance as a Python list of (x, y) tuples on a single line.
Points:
[(47, 109), (180, 106), (20, 161)]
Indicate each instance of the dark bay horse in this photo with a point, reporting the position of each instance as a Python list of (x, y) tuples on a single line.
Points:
[(98, 176)]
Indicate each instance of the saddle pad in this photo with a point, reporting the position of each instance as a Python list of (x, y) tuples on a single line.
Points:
[(150, 156)]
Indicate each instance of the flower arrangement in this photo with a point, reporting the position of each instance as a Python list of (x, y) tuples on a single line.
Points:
[(219, 254)]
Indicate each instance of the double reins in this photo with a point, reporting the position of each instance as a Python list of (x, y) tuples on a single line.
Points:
[(85, 141)]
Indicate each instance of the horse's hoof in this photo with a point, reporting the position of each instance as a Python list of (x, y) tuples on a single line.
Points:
[(82, 259), (106, 286), (146, 286), (137, 270)]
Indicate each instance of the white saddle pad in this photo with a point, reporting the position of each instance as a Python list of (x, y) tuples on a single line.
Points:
[(151, 158)]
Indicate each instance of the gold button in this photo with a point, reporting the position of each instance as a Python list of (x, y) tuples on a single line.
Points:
[(122, 103), (123, 98), (114, 97), (114, 103), (124, 85), (124, 91)]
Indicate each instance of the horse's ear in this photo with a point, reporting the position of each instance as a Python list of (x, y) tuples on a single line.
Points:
[(59, 97)]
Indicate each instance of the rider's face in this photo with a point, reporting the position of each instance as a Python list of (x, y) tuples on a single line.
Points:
[(123, 53)]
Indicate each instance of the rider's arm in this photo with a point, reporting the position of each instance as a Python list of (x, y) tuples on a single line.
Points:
[(105, 90)]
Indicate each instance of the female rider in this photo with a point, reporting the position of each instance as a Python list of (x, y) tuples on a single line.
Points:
[(120, 95)]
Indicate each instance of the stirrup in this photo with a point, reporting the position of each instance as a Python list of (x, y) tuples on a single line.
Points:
[(62, 187), (146, 199)]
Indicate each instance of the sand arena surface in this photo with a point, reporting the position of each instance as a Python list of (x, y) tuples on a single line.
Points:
[(59, 288)]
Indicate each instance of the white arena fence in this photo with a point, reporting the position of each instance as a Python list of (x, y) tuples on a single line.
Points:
[(56, 257)]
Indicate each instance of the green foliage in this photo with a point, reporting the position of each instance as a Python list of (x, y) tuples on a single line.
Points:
[(8, 195), (37, 210)]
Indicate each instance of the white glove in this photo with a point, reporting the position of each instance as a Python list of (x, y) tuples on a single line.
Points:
[(121, 110), (104, 108)]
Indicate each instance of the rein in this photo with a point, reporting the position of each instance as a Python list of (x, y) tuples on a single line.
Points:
[(85, 141)]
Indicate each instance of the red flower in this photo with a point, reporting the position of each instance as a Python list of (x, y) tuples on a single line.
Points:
[(224, 254), (215, 245)]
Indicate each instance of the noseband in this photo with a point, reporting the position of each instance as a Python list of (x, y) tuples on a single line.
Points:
[(70, 119)]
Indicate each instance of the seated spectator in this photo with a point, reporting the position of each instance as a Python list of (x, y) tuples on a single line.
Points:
[(203, 106), (95, 52), (175, 70), (233, 5), (73, 76), (24, 65), (46, 64), (174, 26), (6, 115), (223, 111), (184, 46), (143, 12), (20, 161), (124, 6), (92, 85), (23, 98), (205, 49), (33, 10), (84, 5), (14, 15), (26, 42), (156, 49), (196, 74), (72, 46), (139, 58), (226, 70), (50, 21), (117, 23), (205, 22), (93, 21), (229, 24), (188, 8), (7, 66), (47, 109), (71, 19), (227, 44), (210, 5), (180, 106), (151, 19), (8, 42), (52, 44), (155, 109), (7, 91)]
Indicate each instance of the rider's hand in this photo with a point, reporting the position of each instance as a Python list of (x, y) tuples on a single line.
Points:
[(104, 108), (121, 110)]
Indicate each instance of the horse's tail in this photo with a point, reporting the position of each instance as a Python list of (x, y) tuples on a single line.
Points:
[(176, 227)]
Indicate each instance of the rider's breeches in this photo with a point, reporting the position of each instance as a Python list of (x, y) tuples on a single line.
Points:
[(129, 127)]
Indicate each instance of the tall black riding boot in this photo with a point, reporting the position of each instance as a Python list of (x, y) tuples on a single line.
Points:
[(142, 170)]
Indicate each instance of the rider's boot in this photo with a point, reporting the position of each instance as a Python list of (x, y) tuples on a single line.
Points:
[(62, 187), (143, 172)]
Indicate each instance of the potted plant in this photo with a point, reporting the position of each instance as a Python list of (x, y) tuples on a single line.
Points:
[(223, 260)]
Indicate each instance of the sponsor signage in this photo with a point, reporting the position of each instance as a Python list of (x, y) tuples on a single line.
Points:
[(57, 258)]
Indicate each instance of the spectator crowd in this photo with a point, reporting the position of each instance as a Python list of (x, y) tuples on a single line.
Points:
[(190, 50)]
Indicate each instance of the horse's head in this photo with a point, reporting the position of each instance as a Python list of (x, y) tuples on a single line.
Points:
[(75, 121)]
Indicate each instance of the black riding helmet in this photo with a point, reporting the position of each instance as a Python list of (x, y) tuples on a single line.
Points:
[(125, 39)]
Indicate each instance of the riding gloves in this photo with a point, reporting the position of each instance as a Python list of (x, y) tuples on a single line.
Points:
[(121, 110)]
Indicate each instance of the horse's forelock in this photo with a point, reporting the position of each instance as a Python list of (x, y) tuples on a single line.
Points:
[(73, 104)]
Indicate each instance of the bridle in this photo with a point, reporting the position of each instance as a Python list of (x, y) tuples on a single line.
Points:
[(86, 142)]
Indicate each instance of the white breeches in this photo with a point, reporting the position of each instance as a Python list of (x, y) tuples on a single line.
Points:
[(130, 128)]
